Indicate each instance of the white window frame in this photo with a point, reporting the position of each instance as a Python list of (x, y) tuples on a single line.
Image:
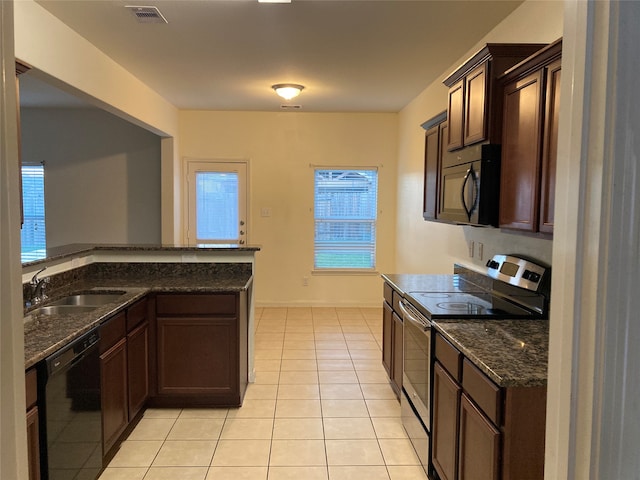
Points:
[(346, 270)]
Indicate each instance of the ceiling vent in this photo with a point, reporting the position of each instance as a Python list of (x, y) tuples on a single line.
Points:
[(290, 107), (147, 14)]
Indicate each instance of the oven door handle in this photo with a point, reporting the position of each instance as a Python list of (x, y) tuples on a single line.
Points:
[(406, 315)]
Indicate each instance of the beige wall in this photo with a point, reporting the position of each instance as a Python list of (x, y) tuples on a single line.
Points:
[(65, 59), (429, 247), (280, 148), (102, 175)]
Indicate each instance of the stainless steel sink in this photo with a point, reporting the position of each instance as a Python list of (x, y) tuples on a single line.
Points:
[(63, 309), (92, 299)]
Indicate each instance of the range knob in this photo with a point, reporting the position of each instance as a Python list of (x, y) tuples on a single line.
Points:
[(493, 264)]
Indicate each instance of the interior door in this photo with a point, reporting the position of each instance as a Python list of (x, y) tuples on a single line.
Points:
[(216, 202)]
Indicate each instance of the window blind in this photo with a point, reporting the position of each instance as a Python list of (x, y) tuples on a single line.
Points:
[(217, 206), (345, 212), (33, 234)]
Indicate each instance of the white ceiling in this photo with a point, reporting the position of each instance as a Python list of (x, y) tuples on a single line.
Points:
[(357, 56)]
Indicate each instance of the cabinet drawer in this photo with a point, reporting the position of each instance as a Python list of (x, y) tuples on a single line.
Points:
[(483, 391), (215, 304), (449, 357), (136, 314), (388, 294), (112, 331), (31, 385)]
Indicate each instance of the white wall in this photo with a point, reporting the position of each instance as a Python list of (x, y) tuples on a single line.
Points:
[(429, 247), (280, 148), (102, 175)]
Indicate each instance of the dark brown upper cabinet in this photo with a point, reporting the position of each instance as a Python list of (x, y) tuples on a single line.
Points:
[(531, 102), (474, 107), (435, 131)]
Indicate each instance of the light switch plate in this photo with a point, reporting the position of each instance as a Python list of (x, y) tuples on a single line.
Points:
[(265, 212)]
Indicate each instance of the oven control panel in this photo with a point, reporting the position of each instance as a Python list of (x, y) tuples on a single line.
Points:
[(517, 271)]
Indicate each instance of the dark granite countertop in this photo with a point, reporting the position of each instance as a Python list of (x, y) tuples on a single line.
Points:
[(45, 334), (513, 353), (66, 251)]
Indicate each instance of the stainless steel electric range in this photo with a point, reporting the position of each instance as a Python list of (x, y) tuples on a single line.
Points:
[(517, 289)]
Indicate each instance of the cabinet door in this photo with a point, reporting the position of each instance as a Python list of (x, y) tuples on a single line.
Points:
[(446, 405), (138, 368), (33, 444), (33, 435), (113, 374), (479, 444), (397, 354), (211, 365), (431, 172), (475, 105), (520, 169), (387, 345), (455, 116), (550, 147)]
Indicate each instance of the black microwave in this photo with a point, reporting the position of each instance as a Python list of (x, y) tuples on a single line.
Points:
[(470, 185)]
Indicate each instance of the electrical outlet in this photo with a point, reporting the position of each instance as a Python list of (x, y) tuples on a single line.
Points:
[(305, 281), (265, 212), (471, 245)]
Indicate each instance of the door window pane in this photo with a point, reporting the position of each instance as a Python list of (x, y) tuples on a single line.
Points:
[(216, 206)]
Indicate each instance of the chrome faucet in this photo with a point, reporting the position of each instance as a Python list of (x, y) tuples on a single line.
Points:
[(38, 286)]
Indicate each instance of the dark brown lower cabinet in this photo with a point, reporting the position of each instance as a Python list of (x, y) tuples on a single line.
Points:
[(481, 431), (387, 326), (33, 431), (444, 435), (196, 356), (392, 341), (479, 444), (138, 368), (200, 350), (113, 372), (398, 347)]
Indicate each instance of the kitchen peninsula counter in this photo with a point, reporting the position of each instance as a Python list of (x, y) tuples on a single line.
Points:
[(136, 270), (45, 334)]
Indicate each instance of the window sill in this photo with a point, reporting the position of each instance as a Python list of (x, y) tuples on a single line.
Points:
[(343, 271)]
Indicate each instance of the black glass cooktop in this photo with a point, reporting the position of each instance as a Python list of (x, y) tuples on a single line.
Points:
[(466, 305)]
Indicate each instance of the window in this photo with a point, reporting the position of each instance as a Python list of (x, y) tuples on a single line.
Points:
[(345, 218), (33, 234), (216, 202)]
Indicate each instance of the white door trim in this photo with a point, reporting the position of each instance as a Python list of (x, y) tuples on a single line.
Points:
[(185, 190), (592, 426)]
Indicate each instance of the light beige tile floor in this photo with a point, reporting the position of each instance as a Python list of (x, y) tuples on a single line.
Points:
[(321, 409)]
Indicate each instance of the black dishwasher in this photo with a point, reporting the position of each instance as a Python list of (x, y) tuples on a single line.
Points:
[(72, 416)]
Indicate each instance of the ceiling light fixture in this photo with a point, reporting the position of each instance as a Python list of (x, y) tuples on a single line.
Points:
[(288, 90), (274, 1)]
